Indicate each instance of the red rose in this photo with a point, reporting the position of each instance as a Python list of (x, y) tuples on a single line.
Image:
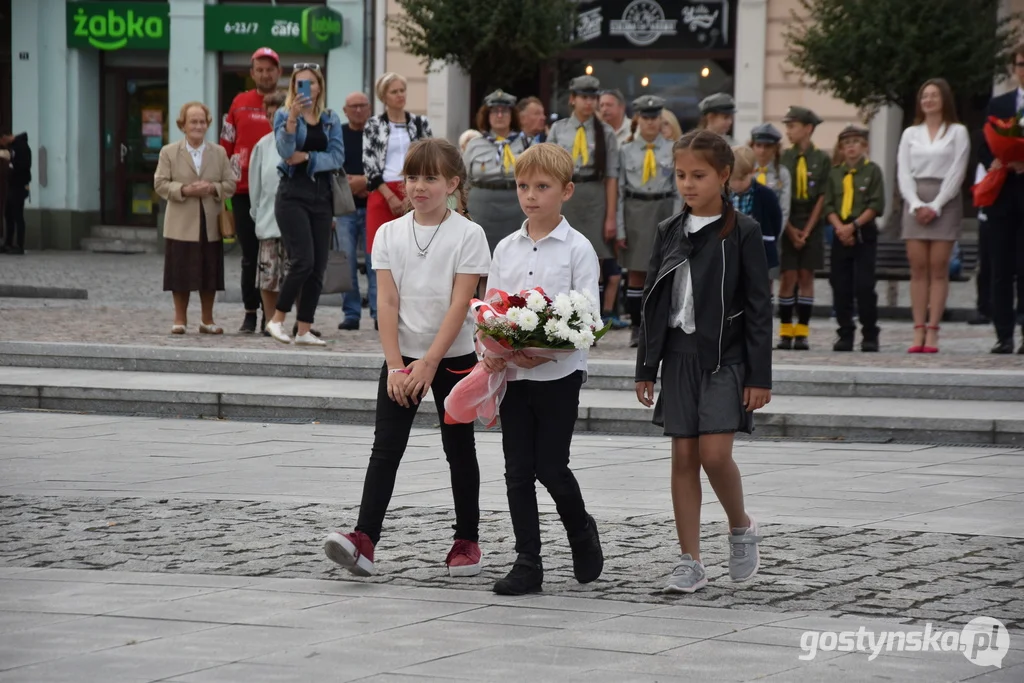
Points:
[(516, 301)]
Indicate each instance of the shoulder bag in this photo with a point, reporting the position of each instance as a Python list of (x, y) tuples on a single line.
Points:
[(343, 203)]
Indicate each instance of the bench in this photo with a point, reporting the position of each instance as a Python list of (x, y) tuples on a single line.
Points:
[(892, 265)]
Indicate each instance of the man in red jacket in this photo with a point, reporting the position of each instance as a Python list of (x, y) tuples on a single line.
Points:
[(244, 125)]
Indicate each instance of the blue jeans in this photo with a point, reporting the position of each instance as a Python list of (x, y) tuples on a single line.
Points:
[(352, 235)]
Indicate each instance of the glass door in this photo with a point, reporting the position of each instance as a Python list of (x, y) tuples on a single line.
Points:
[(135, 125)]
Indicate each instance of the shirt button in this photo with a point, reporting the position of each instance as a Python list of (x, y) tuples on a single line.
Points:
[(535, 248), (531, 272)]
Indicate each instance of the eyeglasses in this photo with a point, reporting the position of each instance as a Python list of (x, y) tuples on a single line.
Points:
[(1019, 65), (501, 111), (306, 66)]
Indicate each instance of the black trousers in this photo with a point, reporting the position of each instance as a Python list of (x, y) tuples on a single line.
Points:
[(14, 216), (983, 276), (390, 437), (537, 422), (245, 231), (853, 277), (303, 210), (1006, 246)]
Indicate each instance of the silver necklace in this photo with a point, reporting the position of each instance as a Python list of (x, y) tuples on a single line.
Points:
[(423, 250)]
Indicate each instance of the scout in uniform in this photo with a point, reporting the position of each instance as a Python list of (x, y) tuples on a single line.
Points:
[(803, 249), (716, 114), (647, 197), (854, 198), (593, 206), (766, 141), (491, 165)]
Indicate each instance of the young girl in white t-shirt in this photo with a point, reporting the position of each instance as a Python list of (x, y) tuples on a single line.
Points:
[(428, 264)]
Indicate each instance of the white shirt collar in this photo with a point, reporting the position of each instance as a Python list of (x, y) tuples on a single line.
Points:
[(195, 150), (1020, 98), (561, 231)]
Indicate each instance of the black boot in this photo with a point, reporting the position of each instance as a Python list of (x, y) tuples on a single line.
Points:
[(801, 344), (844, 343), (249, 324), (869, 344), (587, 557), (785, 344), (634, 337), (526, 576)]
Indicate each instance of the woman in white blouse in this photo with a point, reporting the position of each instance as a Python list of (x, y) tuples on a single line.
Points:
[(932, 162)]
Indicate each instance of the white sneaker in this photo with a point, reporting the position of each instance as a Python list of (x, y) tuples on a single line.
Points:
[(277, 332), (308, 339)]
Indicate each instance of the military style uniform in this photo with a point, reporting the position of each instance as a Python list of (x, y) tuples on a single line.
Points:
[(851, 191), (719, 103), (586, 211), (490, 164), (774, 175)]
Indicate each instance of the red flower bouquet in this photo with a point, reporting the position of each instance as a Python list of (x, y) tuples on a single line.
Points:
[(1005, 138)]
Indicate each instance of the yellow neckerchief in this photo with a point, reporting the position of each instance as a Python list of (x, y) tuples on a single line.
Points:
[(851, 171), (508, 160), (802, 185), (580, 152), (762, 174), (650, 163)]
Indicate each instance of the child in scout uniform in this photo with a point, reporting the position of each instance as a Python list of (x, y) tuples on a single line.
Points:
[(647, 197), (716, 114), (766, 141), (595, 155), (491, 164), (803, 249), (854, 198)]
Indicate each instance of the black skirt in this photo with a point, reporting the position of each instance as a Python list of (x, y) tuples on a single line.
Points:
[(194, 266)]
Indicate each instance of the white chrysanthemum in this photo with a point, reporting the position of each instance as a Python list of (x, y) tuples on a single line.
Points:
[(579, 301), (536, 301), (586, 340), (551, 329), (528, 320), (515, 315), (562, 306), (576, 339), (562, 330)]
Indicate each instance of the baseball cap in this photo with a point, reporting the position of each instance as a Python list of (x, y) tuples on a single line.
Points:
[(265, 53)]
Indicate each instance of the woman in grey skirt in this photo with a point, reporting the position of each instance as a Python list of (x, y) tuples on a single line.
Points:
[(932, 161), (647, 196), (491, 164)]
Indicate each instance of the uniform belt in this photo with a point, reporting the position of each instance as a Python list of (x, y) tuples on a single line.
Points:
[(577, 178), (657, 196), (495, 184)]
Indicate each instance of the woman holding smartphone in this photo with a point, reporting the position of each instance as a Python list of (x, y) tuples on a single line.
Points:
[(310, 144)]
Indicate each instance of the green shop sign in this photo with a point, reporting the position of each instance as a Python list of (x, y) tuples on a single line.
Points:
[(246, 28), (119, 25)]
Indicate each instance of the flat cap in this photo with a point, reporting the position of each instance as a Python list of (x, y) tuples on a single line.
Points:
[(854, 131), (767, 133), (802, 115), (648, 105), (719, 103), (500, 98), (585, 85)]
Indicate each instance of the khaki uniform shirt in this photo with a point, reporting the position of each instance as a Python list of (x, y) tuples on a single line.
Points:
[(631, 172), (868, 190), (484, 158), (563, 134), (819, 165)]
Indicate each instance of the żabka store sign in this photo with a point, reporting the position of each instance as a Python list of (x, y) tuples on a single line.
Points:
[(119, 25)]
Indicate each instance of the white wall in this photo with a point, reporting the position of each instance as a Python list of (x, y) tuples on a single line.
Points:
[(751, 44), (192, 74), (345, 64), (447, 95)]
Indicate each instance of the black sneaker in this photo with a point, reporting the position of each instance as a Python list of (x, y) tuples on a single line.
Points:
[(800, 344), (349, 324), (634, 337), (249, 324), (295, 331), (785, 344), (1003, 346), (526, 576), (870, 345), (979, 318), (843, 344), (587, 557)]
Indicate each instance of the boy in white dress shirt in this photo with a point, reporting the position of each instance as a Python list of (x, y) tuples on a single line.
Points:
[(538, 413)]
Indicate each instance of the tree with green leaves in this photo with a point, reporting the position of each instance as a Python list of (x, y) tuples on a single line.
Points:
[(870, 53), (496, 42)]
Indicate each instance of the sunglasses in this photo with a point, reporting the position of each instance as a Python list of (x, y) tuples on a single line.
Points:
[(306, 66)]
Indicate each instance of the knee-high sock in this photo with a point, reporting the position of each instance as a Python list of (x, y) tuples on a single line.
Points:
[(786, 305), (634, 304), (804, 306)]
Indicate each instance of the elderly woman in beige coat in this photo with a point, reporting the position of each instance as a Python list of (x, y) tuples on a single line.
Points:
[(195, 178)]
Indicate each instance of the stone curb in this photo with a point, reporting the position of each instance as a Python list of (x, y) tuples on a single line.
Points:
[(32, 292), (616, 375)]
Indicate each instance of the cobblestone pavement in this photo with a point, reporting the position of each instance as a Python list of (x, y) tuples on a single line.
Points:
[(126, 306)]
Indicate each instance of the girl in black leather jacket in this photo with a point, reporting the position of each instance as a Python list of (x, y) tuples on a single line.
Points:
[(707, 322)]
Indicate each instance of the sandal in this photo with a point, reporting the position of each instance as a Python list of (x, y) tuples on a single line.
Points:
[(931, 349), (917, 348), (177, 329), (210, 329)]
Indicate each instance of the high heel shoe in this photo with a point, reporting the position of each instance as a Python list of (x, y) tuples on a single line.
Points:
[(917, 348), (931, 349)]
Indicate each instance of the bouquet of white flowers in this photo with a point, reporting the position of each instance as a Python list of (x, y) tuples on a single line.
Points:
[(530, 322)]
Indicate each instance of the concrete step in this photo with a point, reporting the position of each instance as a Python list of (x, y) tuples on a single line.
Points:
[(113, 245), (617, 412), (126, 233), (612, 375)]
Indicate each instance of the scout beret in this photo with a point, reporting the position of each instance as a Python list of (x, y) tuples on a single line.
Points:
[(585, 85), (648, 105), (719, 103), (854, 131), (500, 98), (802, 115), (766, 132)]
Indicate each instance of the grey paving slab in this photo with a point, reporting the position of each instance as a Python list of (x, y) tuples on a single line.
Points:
[(107, 666)]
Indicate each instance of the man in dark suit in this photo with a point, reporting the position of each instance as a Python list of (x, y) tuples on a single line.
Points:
[(1006, 217)]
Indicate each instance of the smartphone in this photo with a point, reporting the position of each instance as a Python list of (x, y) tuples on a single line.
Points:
[(302, 88)]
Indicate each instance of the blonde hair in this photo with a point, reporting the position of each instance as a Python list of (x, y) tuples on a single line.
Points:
[(385, 81), (437, 157), (321, 99), (668, 117), (547, 158), (183, 114), (467, 136), (744, 161)]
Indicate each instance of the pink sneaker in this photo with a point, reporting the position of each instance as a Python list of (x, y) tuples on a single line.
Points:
[(352, 551), (464, 559)]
